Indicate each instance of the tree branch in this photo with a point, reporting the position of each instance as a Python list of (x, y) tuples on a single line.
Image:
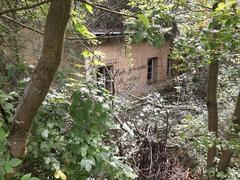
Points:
[(35, 30), (104, 8), (21, 24), (227, 154), (24, 8), (203, 6), (42, 33)]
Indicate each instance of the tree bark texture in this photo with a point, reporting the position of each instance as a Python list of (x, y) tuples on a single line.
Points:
[(212, 105), (226, 156), (42, 77), (212, 108)]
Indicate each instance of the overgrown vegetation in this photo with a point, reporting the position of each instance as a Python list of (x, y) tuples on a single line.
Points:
[(75, 129)]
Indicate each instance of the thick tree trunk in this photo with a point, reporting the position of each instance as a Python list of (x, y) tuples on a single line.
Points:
[(42, 77), (227, 154), (212, 108)]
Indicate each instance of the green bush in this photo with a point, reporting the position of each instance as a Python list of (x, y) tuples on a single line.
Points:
[(70, 136)]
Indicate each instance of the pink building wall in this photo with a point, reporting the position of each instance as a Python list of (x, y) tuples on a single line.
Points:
[(134, 78), (129, 65)]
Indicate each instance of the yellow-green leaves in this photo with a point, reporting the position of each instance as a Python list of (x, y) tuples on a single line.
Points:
[(60, 175), (144, 19), (82, 29), (95, 57), (227, 5), (221, 6), (98, 62), (87, 54), (238, 11), (88, 7)]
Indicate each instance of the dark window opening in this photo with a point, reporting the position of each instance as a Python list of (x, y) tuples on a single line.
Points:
[(169, 67), (151, 69), (104, 77)]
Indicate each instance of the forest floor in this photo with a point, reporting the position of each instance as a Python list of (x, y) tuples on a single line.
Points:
[(151, 142)]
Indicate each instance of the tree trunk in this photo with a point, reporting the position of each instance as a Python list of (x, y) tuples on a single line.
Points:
[(42, 77), (212, 105), (212, 109), (227, 154)]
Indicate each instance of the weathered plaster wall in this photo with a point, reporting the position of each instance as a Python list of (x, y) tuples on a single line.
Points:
[(32, 46), (32, 43), (129, 65), (134, 78)]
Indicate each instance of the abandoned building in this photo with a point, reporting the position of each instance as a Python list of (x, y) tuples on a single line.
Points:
[(134, 70), (133, 67)]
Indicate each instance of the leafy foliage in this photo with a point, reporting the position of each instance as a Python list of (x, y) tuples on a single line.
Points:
[(75, 139), (74, 135)]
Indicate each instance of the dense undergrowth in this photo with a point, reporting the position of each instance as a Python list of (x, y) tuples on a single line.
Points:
[(81, 131)]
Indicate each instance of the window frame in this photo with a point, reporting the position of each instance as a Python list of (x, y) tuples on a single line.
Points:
[(104, 74), (169, 67), (153, 69)]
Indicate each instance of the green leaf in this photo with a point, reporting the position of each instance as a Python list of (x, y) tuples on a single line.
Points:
[(212, 45), (14, 162), (88, 7), (34, 178), (228, 23), (82, 29), (2, 174), (212, 25), (87, 164), (157, 42), (87, 54), (2, 135), (45, 133), (182, 135), (138, 37), (129, 172), (84, 151), (26, 177), (8, 168), (98, 62), (238, 11), (2, 148), (221, 6), (144, 19), (88, 167)]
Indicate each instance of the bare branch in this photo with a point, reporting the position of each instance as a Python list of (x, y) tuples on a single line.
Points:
[(24, 8), (42, 33), (104, 8), (35, 30), (203, 6), (23, 25)]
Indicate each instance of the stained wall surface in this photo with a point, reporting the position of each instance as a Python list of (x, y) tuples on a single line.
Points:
[(130, 65)]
